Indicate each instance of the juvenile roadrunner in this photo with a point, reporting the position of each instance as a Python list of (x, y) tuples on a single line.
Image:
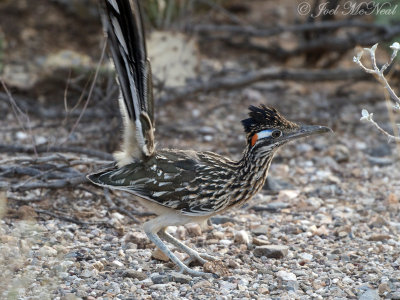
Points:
[(180, 186)]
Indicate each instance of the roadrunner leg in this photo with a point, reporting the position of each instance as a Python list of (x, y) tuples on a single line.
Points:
[(193, 254), (152, 227)]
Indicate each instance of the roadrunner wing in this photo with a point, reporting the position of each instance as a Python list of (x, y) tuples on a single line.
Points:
[(184, 181), (124, 27)]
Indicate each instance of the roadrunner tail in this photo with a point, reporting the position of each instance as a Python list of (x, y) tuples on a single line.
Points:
[(124, 27)]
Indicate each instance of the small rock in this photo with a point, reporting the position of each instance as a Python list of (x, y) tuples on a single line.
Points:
[(370, 295), (287, 195), (271, 251), (392, 200), (340, 153), (201, 284), (286, 276), (89, 273), (138, 238), (219, 235), (216, 267), (378, 221), (173, 276), (47, 251), (277, 205), (98, 265), (306, 257), (117, 263), (159, 279), (179, 277), (233, 264), (159, 255), (242, 237), (379, 237), (226, 285), (260, 242), (134, 274), (193, 229), (395, 296), (181, 232), (263, 290), (262, 229), (288, 280), (383, 288)]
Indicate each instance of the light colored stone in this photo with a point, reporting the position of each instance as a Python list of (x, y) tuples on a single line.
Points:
[(47, 251), (193, 229), (242, 237), (117, 263), (159, 255)]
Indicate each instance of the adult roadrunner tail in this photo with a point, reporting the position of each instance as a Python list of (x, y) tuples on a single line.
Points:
[(180, 186)]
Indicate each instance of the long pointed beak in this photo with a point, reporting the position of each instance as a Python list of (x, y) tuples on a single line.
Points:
[(307, 130)]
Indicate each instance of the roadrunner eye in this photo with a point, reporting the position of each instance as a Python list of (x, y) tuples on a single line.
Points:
[(276, 133)]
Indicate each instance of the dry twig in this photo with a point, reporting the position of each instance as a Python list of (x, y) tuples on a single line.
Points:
[(248, 78), (378, 73)]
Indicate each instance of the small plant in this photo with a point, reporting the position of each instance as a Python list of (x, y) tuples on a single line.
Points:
[(379, 75)]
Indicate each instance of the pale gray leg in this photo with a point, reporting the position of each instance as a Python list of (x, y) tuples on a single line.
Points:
[(193, 254), (151, 228)]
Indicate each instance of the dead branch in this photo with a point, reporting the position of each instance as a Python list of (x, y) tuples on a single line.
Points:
[(304, 75), (211, 29), (61, 149), (53, 184), (325, 43), (30, 106), (71, 219)]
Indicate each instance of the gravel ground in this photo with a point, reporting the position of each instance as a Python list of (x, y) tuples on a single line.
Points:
[(333, 233)]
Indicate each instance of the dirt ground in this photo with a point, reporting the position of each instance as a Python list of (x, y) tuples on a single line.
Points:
[(330, 214)]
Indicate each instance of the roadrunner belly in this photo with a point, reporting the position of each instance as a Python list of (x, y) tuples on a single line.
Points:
[(180, 186)]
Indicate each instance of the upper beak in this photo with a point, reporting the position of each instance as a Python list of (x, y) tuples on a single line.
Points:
[(307, 130)]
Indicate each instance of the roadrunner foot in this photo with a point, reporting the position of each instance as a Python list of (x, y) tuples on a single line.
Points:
[(193, 254)]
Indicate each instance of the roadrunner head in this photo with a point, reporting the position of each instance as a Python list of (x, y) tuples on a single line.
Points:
[(266, 127)]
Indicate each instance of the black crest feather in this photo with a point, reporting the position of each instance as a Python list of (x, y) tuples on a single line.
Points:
[(262, 117)]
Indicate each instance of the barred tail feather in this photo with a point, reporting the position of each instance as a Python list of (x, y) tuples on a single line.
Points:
[(124, 27)]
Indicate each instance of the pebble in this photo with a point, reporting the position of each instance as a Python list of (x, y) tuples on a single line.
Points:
[(370, 294), (242, 237), (47, 251), (226, 285), (193, 229), (134, 274), (117, 263), (201, 284), (260, 242), (271, 251), (261, 229), (138, 238), (159, 255), (172, 276), (288, 280)]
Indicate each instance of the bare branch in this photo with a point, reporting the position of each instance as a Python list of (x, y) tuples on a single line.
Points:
[(267, 32), (248, 78), (70, 219), (379, 75), (61, 149)]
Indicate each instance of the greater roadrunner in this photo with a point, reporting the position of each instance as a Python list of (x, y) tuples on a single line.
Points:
[(180, 186)]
